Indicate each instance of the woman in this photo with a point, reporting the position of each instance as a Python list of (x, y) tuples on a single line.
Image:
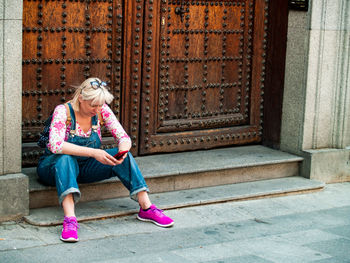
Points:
[(73, 155)]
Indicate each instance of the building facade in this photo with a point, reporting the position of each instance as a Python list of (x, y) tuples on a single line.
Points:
[(314, 118)]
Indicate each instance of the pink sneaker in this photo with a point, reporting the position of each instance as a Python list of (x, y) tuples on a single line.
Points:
[(70, 229), (156, 216)]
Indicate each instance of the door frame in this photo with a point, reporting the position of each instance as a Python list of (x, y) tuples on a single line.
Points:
[(275, 72)]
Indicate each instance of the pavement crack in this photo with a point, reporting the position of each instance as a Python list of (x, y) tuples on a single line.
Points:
[(261, 221)]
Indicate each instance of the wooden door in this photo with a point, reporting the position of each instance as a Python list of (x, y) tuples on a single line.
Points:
[(65, 42), (185, 74), (203, 74)]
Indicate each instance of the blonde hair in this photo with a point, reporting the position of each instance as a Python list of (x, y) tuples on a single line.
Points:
[(98, 96)]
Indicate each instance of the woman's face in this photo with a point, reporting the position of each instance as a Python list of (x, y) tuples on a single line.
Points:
[(89, 109)]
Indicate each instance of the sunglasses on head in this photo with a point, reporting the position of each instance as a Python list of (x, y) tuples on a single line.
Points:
[(96, 84)]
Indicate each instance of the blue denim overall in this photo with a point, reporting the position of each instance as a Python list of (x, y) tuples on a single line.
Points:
[(66, 171)]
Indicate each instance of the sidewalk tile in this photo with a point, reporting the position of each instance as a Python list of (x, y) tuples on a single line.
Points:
[(243, 259), (343, 231), (14, 237), (305, 237), (213, 252), (163, 257), (285, 252), (337, 248)]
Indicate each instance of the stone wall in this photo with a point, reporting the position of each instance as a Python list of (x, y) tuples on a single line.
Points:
[(11, 83), (316, 106), (328, 88), (14, 198), (295, 82)]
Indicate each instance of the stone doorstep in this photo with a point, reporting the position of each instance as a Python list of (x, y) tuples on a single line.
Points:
[(50, 216), (179, 171)]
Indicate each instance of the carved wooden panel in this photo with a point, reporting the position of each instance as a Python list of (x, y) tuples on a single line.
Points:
[(203, 74), (65, 42)]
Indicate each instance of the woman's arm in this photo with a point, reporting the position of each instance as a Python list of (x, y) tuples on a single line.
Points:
[(57, 129), (113, 125), (99, 154), (124, 145)]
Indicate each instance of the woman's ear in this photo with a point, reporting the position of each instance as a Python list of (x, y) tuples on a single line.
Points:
[(80, 98)]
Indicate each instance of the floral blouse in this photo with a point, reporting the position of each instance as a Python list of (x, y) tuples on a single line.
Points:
[(59, 132)]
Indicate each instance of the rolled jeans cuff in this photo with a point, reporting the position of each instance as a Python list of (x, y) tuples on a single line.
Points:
[(76, 195), (133, 194)]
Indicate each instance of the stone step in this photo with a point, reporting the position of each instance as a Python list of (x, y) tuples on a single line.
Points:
[(176, 199), (180, 171)]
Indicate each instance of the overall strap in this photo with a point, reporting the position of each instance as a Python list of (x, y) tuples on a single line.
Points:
[(100, 118), (72, 116), (68, 114), (94, 123)]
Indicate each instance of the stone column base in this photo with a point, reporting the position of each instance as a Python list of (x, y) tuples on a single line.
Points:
[(14, 196), (327, 165)]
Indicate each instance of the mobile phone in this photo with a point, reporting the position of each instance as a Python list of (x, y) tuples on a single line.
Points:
[(119, 155)]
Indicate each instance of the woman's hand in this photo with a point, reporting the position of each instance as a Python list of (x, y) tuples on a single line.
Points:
[(99, 154), (105, 158), (120, 160)]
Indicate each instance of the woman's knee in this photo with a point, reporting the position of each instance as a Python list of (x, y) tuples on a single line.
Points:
[(57, 166), (66, 166)]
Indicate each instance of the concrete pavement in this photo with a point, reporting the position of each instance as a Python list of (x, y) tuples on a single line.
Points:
[(313, 227)]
